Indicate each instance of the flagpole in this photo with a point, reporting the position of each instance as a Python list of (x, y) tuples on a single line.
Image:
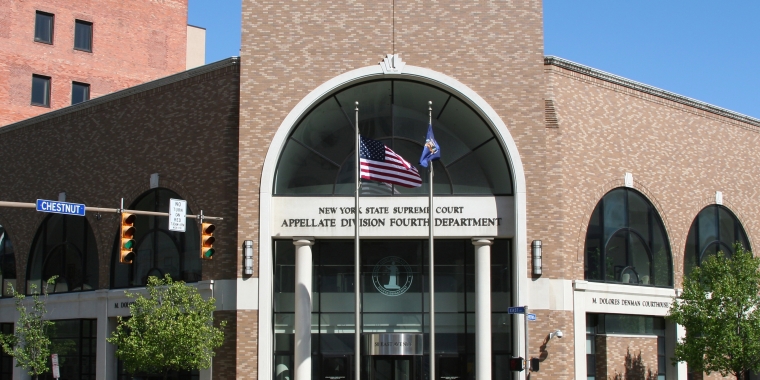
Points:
[(357, 263), (430, 258)]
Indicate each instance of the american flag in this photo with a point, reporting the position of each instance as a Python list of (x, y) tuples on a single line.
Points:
[(380, 163)]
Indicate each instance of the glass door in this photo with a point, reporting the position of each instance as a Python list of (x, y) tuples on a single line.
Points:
[(336, 367), (391, 368)]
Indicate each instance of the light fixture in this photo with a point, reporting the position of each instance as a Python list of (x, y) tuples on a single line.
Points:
[(556, 334), (537, 258), (248, 256)]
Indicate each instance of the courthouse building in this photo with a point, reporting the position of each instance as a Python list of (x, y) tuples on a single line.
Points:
[(584, 196)]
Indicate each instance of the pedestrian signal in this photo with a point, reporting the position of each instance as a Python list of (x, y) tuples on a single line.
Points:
[(516, 364)]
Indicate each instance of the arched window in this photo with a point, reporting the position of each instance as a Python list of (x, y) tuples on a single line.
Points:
[(626, 242), (318, 156), (715, 229), (157, 250), (7, 264), (65, 247)]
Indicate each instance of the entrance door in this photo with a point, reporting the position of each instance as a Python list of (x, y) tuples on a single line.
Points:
[(336, 367), (392, 368)]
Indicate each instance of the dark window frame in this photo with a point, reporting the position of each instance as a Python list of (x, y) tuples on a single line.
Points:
[(82, 349), (86, 248), (87, 48), (7, 263), (447, 182), (83, 85), (52, 27), (595, 268), (6, 361), (47, 91), (323, 260), (695, 258)]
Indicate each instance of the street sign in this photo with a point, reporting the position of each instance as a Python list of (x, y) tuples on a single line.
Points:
[(177, 215), (516, 310), (56, 207), (56, 370), (531, 317)]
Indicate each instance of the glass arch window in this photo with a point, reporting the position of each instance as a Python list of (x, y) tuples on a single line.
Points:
[(318, 158), (157, 250), (626, 242), (715, 229), (65, 247), (7, 264)]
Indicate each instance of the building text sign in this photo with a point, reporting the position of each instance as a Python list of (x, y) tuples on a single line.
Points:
[(393, 216), (616, 303)]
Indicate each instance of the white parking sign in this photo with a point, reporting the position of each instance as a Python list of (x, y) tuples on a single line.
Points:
[(177, 215)]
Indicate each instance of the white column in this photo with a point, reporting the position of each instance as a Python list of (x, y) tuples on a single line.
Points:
[(302, 349), (579, 327), (482, 307)]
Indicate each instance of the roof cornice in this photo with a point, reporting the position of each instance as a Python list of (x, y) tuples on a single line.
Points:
[(130, 91), (650, 90)]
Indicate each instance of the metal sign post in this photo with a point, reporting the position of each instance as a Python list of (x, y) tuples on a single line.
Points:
[(527, 352), (56, 369)]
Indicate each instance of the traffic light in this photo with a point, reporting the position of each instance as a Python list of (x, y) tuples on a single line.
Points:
[(534, 364), (516, 364), (207, 240), (127, 238)]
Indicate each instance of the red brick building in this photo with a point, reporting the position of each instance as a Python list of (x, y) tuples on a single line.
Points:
[(68, 51)]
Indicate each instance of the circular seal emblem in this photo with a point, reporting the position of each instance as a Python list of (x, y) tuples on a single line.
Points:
[(392, 276)]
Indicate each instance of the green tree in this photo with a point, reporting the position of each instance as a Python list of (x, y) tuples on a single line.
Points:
[(169, 330), (719, 310), (30, 344)]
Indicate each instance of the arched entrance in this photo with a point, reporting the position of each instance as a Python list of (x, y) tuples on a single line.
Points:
[(480, 213)]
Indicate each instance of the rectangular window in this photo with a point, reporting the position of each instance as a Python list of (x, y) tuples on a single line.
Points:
[(40, 90), (6, 361), (43, 27), (83, 35), (80, 92), (75, 341)]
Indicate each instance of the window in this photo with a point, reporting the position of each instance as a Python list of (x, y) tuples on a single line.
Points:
[(74, 340), (599, 327), (80, 92), (43, 27), (318, 156), (626, 242), (7, 264), (715, 229), (83, 35), (333, 306), (64, 247), (158, 251), (6, 361), (40, 90)]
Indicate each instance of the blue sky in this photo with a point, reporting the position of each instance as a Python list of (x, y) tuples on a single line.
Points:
[(706, 50)]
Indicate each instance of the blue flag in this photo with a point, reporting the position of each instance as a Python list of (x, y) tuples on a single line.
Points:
[(431, 151)]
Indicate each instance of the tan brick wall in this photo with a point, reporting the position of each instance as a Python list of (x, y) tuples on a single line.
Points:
[(247, 365), (556, 354), (679, 157), (134, 41)]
